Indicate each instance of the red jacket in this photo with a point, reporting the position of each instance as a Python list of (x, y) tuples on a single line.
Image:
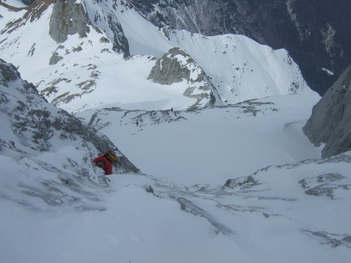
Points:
[(107, 165)]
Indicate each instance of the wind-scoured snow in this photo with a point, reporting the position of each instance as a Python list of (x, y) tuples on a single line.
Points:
[(237, 183)]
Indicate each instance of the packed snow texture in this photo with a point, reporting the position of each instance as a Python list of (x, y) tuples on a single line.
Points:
[(238, 183)]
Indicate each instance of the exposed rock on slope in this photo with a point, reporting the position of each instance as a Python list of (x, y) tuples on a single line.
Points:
[(68, 18), (177, 66), (173, 67), (330, 122)]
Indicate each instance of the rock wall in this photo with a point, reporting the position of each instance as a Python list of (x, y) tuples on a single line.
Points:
[(330, 122), (71, 17), (68, 18)]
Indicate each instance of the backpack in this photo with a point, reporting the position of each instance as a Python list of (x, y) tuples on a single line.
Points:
[(111, 156)]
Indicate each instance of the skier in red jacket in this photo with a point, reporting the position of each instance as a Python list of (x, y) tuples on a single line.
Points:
[(105, 161)]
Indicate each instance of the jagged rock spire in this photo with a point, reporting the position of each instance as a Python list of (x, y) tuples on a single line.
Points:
[(68, 18)]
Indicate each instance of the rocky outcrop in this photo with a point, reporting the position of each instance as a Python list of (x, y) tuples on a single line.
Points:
[(173, 67), (71, 17), (34, 125), (68, 18), (330, 122), (177, 66)]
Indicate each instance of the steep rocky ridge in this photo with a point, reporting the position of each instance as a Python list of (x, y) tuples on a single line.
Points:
[(330, 122), (103, 17), (38, 126)]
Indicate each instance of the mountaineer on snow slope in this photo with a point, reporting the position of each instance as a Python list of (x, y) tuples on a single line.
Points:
[(105, 161)]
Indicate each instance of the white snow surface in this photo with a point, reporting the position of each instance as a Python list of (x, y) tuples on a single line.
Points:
[(239, 183), (178, 209)]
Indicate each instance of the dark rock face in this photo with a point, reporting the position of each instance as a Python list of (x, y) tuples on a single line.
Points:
[(39, 125), (330, 122), (68, 18), (120, 42), (315, 33), (27, 2)]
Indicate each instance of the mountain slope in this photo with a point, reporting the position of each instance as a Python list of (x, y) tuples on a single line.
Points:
[(218, 184), (315, 33), (45, 152), (87, 66)]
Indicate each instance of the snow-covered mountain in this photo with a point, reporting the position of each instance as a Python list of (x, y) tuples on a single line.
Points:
[(82, 57), (315, 33), (230, 182)]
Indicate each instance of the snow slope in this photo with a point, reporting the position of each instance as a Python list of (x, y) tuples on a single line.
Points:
[(270, 221), (216, 212), (211, 145), (255, 191)]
